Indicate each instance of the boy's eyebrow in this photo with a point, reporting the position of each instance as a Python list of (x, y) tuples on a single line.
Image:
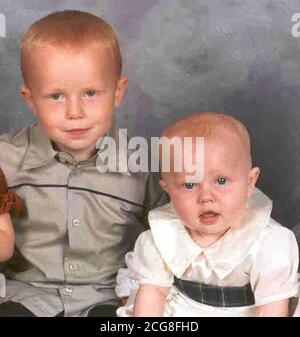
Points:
[(94, 88), (54, 89), (50, 90), (47, 92)]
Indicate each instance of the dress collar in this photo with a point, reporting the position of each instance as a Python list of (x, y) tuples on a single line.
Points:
[(179, 250)]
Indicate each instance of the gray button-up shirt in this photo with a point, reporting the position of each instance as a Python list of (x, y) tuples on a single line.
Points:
[(76, 226), (2, 285)]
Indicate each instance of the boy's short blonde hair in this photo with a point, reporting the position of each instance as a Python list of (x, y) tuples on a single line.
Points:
[(70, 30)]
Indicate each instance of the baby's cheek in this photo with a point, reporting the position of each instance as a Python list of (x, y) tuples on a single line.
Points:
[(235, 211), (185, 211)]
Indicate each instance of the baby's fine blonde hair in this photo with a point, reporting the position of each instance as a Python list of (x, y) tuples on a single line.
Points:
[(212, 124), (70, 30)]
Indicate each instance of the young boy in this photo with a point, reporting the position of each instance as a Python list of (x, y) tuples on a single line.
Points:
[(78, 222), (214, 250)]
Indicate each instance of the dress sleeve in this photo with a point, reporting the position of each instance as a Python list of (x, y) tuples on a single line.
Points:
[(274, 274), (148, 264), (144, 266)]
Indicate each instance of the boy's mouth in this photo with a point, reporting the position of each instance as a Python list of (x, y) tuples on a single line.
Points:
[(209, 217), (77, 132)]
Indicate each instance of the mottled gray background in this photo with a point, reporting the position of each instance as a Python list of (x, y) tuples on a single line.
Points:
[(186, 55)]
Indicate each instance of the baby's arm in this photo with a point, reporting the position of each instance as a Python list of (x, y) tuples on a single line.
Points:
[(150, 301), (274, 273), (146, 280), (7, 237), (274, 309)]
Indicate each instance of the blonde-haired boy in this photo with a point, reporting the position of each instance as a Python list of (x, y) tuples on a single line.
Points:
[(78, 222)]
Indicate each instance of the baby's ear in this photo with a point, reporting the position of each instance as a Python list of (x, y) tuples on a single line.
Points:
[(252, 179), (163, 185), (25, 93)]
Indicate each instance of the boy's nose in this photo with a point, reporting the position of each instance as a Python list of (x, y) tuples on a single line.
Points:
[(205, 194), (74, 110)]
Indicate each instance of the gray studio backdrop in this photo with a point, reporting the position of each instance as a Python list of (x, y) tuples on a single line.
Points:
[(236, 56)]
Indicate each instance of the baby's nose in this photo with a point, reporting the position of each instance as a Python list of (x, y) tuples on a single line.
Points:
[(205, 193)]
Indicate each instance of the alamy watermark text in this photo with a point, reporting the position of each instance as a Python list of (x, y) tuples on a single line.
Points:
[(2, 25)]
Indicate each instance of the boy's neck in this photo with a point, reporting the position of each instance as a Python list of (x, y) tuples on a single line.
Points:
[(78, 155)]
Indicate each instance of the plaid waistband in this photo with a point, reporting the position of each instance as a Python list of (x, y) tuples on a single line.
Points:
[(216, 296)]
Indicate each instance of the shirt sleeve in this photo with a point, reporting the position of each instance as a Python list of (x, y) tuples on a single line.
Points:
[(274, 274), (2, 285), (148, 264)]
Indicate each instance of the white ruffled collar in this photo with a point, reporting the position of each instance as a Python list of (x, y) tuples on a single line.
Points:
[(179, 250)]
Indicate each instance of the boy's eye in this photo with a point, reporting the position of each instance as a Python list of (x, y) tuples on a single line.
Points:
[(90, 93), (221, 181), (189, 186), (56, 96)]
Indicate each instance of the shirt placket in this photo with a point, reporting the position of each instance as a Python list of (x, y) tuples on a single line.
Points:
[(75, 223)]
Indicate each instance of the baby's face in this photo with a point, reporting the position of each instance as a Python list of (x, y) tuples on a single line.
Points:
[(74, 94), (215, 204)]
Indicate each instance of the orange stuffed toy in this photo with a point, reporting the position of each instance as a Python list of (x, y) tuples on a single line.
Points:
[(9, 201)]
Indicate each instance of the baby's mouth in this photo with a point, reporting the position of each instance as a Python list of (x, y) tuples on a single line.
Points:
[(209, 217)]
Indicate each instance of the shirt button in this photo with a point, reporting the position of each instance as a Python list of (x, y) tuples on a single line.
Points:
[(62, 159), (69, 290), (76, 222), (73, 267)]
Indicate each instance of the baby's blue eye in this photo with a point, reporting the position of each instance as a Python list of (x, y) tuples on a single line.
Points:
[(189, 186), (221, 181), (56, 96), (91, 93)]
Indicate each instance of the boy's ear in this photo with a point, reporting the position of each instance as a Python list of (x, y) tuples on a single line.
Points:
[(25, 93), (252, 179), (120, 90)]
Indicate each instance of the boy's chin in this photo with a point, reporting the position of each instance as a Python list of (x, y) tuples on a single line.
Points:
[(75, 148)]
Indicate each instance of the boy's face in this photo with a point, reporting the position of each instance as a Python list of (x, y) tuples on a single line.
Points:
[(74, 94), (218, 202)]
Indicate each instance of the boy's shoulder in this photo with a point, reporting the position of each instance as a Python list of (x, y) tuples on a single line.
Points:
[(16, 139), (13, 149)]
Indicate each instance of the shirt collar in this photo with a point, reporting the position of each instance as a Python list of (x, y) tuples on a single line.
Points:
[(179, 250), (118, 159), (40, 150)]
